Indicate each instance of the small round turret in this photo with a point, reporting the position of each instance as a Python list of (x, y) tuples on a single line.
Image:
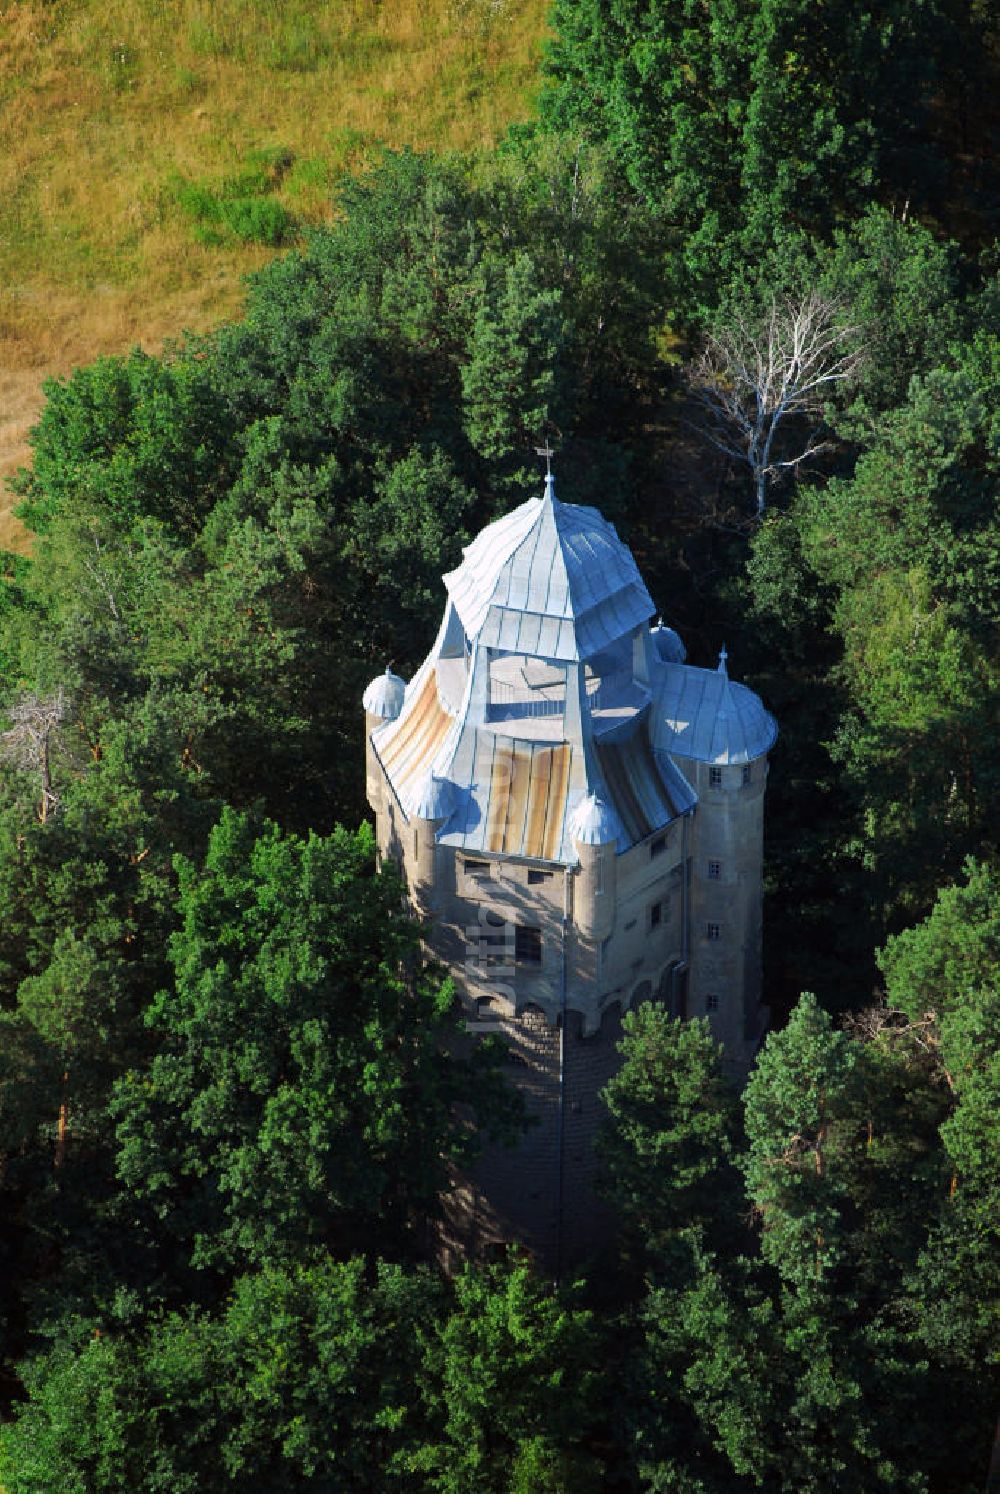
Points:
[(430, 805), (668, 644), (383, 701), (383, 698), (596, 831), (594, 823)]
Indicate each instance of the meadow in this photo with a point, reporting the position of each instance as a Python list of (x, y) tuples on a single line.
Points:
[(152, 155)]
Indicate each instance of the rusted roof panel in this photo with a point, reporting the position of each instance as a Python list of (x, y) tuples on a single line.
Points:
[(527, 800), (408, 746)]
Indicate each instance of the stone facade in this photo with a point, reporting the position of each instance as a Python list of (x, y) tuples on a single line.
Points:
[(581, 822)]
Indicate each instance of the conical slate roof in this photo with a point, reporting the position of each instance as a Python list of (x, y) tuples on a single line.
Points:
[(551, 579)]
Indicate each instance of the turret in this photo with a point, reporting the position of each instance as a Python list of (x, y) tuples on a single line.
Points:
[(596, 832), (430, 807), (383, 701), (721, 735)]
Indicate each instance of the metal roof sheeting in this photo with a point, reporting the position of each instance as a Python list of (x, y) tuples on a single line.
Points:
[(668, 644), (499, 753), (595, 823), (432, 798), (408, 746), (635, 781), (550, 579), (384, 696), (704, 715)]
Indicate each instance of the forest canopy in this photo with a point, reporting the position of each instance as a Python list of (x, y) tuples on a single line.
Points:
[(228, 1075)]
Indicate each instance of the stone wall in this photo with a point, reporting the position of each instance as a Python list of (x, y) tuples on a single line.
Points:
[(543, 1192)]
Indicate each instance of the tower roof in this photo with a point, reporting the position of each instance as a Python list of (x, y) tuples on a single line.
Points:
[(550, 579), (711, 718), (384, 696), (668, 643), (595, 823), (546, 714)]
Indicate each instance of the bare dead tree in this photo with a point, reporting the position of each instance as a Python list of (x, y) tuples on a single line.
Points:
[(27, 744), (750, 379)]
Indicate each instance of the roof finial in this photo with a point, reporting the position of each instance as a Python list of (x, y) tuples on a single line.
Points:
[(723, 656), (550, 482)]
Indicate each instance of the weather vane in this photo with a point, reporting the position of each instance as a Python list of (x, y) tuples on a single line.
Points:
[(546, 452)]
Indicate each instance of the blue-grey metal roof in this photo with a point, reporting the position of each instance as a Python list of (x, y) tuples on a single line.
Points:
[(703, 714), (432, 798), (532, 753), (384, 696), (595, 823), (550, 579), (668, 644)]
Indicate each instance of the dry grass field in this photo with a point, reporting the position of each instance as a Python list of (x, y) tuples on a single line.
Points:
[(152, 152)]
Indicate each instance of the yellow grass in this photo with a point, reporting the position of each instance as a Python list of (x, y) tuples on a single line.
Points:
[(106, 105)]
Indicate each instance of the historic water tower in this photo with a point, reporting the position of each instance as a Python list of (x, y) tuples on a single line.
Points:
[(579, 813)]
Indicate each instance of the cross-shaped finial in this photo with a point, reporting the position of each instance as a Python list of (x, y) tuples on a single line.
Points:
[(723, 656)]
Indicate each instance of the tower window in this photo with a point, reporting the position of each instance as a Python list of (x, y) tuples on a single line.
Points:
[(713, 931), (536, 877), (657, 846), (747, 774), (715, 777), (711, 1003), (527, 945), (476, 868), (714, 870), (656, 915)]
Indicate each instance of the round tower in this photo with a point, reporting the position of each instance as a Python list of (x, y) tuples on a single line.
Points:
[(723, 750), (431, 806), (382, 701), (595, 832)]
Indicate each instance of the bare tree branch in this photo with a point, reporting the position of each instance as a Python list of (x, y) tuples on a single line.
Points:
[(28, 742), (750, 379)]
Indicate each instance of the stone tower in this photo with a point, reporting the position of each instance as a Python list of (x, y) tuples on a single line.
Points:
[(579, 814)]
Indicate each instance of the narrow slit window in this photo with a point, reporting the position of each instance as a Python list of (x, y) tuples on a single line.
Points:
[(657, 847), (656, 915), (747, 774)]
